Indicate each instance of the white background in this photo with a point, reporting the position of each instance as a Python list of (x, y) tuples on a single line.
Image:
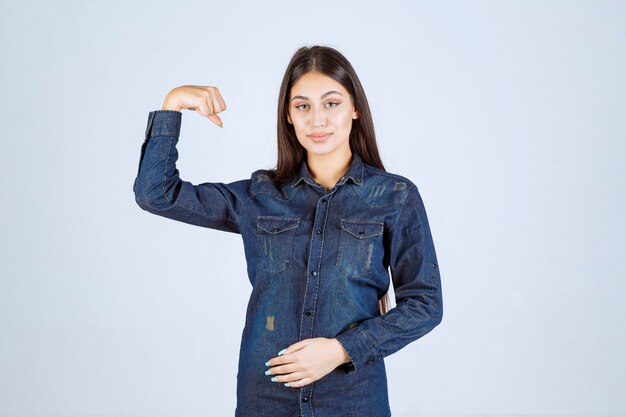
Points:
[(510, 116)]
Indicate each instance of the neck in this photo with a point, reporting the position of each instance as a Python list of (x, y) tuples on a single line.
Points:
[(326, 170)]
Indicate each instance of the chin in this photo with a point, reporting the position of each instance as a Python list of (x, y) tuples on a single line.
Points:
[(321, 149)]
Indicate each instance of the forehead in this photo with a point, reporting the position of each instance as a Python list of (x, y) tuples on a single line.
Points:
[(314, 84)]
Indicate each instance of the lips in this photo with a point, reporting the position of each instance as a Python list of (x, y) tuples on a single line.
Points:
[(319, 137)]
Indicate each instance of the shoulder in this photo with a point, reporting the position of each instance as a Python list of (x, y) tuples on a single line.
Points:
[(261, 183), (380, 175), (385, 187)]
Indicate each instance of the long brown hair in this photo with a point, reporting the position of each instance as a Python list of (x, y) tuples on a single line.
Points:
[(328, 61)]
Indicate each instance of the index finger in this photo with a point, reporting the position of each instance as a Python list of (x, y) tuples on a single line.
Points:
[(218, 101)]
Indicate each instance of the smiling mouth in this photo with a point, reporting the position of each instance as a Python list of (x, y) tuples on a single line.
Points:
[(319, 138)]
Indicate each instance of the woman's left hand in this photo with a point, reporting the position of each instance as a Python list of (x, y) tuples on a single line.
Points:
[(307, 361)]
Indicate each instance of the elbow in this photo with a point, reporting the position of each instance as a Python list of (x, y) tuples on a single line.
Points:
[(437, 320), (150, 203), (144, 199), (143, 202), (433, 320), (150, 197), (438, 311), (140, 196), (437, 315), (157, 196)]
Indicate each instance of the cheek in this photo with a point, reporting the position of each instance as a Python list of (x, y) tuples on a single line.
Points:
[(344, 119), (298, 127)]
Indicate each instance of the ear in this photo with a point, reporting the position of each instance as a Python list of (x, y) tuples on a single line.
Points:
[(355, 114), (289, 119)]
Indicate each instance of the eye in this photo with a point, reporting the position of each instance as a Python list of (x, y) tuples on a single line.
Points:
[(330, 103)]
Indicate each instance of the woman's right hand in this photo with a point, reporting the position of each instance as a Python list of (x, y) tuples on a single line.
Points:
[(205, 100)]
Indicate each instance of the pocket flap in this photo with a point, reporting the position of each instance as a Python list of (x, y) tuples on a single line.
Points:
[(362, 228), (274, 224)]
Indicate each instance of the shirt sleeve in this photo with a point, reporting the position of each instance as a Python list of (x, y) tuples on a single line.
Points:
[(417, 287), (159, 189)]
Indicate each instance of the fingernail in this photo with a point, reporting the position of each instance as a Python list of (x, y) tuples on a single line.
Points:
[(267, 363), (268, 372), (287, 384), (282, 351), (222, 124), (274, 379)]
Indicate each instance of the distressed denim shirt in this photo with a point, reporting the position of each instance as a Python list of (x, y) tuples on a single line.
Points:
[(318, 262)]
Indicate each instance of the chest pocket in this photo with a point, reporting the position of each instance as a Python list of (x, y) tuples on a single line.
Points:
[(275, 242), (357, 243)]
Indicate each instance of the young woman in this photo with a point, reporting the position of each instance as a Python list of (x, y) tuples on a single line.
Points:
[(321, 233)]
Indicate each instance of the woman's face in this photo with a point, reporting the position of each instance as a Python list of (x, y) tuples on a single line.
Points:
[(320, 106)]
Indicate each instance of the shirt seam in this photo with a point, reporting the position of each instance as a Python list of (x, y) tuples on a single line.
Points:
[(404, 199)]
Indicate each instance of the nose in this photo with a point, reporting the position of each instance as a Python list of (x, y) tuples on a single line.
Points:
[(319, 117)]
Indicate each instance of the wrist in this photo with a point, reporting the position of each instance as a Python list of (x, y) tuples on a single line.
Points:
[(171, 104), (343, 355)]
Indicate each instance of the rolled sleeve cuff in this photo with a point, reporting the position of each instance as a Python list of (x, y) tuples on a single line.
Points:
[(356, 344), (164, 123)]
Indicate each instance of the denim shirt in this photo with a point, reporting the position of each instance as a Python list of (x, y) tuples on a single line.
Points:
[(318, 262)]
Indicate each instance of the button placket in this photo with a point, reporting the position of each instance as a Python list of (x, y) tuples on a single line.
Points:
[(312, 288)]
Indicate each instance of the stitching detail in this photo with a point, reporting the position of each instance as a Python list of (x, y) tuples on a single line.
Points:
[(165, 170)]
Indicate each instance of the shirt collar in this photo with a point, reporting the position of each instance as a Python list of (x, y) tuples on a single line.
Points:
[(355, 172)]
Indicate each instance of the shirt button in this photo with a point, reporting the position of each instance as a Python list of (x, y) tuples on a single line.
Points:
[(308, 313), (318, 231), (314, 273), (323, 200), (305, 399)]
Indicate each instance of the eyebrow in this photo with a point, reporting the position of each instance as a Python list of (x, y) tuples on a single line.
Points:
[(323, 95)]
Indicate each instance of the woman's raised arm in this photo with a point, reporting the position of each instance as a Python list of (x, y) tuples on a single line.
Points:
[(158, 188)]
